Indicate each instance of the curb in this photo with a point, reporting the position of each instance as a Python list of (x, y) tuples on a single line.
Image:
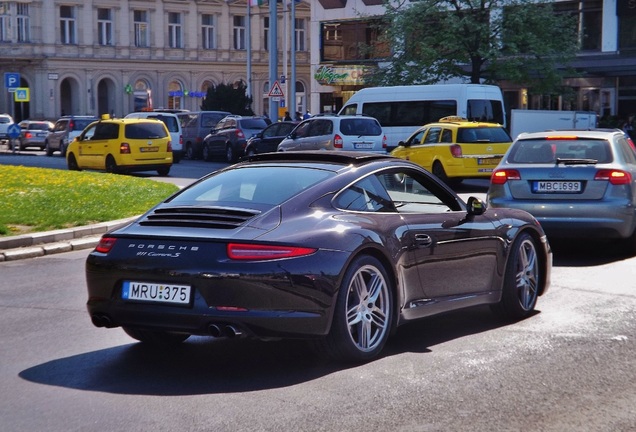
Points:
[(51, 242)]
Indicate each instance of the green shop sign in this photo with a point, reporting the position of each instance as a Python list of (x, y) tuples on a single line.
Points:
[(340, 75)]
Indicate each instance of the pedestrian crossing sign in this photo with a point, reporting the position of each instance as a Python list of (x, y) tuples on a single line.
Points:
[(276, 91), (21, 94)]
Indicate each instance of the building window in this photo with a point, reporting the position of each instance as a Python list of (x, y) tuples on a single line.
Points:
[(266, 33), (175, 95), (104, 26), (207, 31), (141, 28), (174, 30), (5, 22), (300, 34), (239, 32), (67, 25), (23, 24), (589, 19)]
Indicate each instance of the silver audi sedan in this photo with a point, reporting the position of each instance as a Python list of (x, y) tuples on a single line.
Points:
[(577, 183)]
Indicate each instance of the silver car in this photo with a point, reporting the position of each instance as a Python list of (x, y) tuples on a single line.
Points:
[(330, 132), (34, 133), (576, 183)]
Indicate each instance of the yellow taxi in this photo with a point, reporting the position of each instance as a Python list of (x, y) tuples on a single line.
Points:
[(122, 145), (455, 149)]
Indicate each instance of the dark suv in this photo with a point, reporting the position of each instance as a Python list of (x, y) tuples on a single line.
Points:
[(64, 131), (197, 128), (229, 137)]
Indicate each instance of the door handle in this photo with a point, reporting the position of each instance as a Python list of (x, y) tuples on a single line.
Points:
[(423, 240)]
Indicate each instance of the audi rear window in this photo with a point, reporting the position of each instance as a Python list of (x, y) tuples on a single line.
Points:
[(548, 151)]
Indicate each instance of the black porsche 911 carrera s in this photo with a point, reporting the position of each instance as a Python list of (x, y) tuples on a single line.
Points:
[(338, 247)]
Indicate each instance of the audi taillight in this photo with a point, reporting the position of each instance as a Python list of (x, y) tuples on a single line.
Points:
[(337, 141), (501, 176), (615, 177), (259, 252), (456, 150), (105, 244), (124, 148)]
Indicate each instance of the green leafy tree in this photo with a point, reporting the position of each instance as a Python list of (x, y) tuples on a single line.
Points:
[(477, 40), (228, 97)]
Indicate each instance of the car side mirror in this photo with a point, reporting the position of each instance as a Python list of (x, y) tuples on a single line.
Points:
[(402, 144), (476, 206)]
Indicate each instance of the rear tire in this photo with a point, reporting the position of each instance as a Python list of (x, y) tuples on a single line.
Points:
[(49, 150), (156, 337), (72, 163), (111, 165), (438, 171), (230, 157), (164, 171), (521, 281), (207, 154), (363, 315)]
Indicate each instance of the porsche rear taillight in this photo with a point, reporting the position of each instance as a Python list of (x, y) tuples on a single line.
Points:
[(260, 252), (501, 176), (338, 141), (105, 244), (615, 177), (456, 150)]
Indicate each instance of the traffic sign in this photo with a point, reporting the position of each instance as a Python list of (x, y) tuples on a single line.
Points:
[(276, 90), (21, 94), (14, 131), (11, 79)]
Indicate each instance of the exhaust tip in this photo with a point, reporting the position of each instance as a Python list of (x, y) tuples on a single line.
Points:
[(101, 321), (215, 330), (233, 331)]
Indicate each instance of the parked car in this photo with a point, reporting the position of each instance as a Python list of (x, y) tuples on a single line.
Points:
[(34, 133), (173, 124), (340, 247), (331, 132), (268, 139), (229, 137), (5, 121), (122, 145), (64, 131), (577, 183), (198, 126), (455, 149)]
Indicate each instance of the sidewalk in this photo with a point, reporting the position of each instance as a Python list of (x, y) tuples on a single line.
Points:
[(51, 242)]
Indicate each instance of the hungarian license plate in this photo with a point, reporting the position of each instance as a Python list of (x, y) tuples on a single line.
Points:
[(149, 149), (556, 187), (488, 161), (153, 292), (363, 146), (40, 134)]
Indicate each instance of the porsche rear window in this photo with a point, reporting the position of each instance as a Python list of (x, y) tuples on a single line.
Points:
[(260, 185)]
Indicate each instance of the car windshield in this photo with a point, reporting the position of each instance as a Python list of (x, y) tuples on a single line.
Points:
[(149, 130), (482, 135), (360, 126), (271, 185), (548, 151)]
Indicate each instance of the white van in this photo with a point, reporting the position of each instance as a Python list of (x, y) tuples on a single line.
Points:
[(173, 124), (402, 109)]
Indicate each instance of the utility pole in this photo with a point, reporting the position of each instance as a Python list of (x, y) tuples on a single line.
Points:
[(273, 58)]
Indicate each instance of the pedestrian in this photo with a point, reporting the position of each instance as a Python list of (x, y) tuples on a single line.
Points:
[(307, 115), (287, 117)]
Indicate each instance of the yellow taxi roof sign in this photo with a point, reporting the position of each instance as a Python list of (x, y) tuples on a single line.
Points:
[(452, 119)]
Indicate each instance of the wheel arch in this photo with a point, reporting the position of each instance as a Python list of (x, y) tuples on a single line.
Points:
[(545, 260)]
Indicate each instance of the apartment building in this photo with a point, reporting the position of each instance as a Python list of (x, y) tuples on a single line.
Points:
[(118, 56), (606, 64)]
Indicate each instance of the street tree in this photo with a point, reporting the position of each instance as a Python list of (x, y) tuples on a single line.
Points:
[(522, 41), (228, 97)]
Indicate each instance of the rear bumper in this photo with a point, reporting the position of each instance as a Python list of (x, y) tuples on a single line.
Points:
[(583, 219)]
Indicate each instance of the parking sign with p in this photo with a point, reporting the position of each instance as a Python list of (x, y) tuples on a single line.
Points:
[(11, 80)]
